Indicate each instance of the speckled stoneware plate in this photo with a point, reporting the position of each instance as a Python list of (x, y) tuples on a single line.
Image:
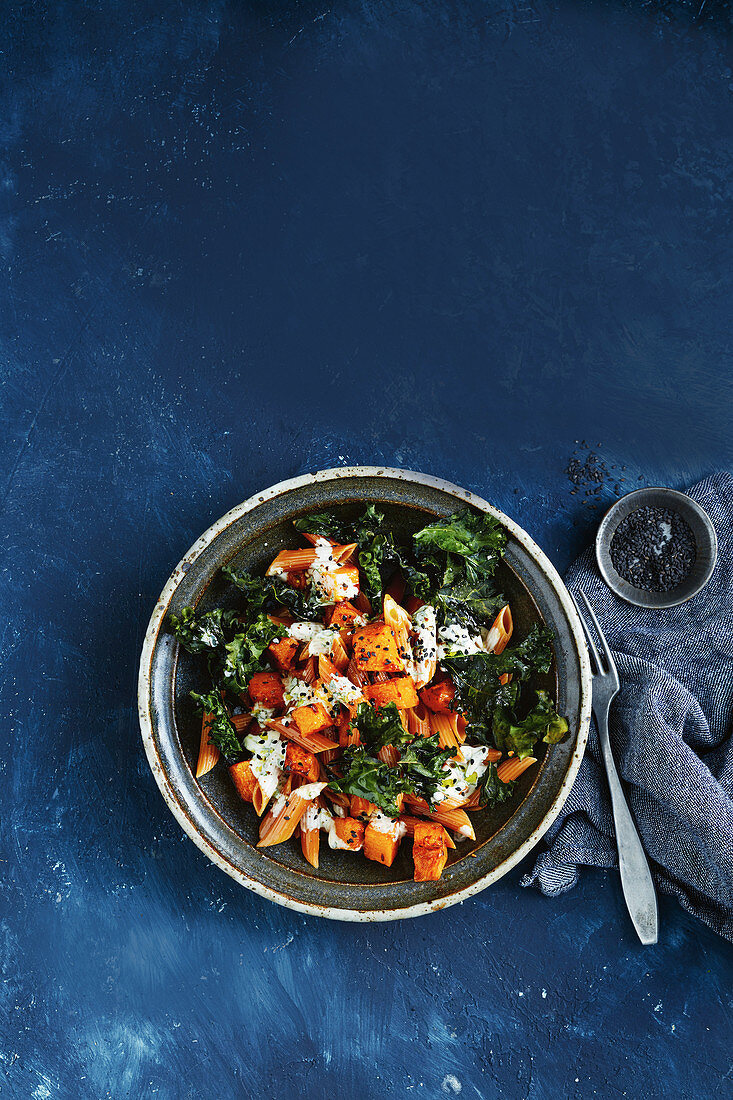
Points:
[(225, 828)]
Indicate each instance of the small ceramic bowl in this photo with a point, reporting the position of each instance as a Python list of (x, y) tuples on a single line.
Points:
[(706, 546), (225, 828)]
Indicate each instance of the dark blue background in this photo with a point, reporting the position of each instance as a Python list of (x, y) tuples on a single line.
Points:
[(243, 241)]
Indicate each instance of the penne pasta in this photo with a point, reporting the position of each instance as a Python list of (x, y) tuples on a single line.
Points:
[(513, 768), (312, 742), (208, 753), (448, 729), (389, 755), (500, 632), (280, 822), (418, 721), (291, 561)]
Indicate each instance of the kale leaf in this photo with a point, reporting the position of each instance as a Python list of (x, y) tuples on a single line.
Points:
[(466, 545), (379, 728), (324, 524), (366, 777), (258, 591), (200, 631), (477, 679), (521, 735), (243, 654), (422, 764), (493, 791), (220, 729)]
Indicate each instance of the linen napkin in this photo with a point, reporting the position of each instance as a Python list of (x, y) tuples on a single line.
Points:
[(671, 728)]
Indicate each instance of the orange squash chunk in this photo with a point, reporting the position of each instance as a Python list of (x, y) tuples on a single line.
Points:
[(243, 779), (266, 688), (343, 615), (438, 697), (375, 649), (312, 718), (429, 851), (350, 832), (301, 762), (400, 691), (381, 846), (284, 652)]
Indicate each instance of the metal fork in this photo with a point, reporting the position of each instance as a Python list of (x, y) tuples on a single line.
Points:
[(636, 878)]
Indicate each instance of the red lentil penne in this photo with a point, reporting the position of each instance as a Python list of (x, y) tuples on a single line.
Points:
[(208, 753), (513, 768)]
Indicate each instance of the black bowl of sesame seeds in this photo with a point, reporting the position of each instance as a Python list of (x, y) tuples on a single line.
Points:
[(656, 548)]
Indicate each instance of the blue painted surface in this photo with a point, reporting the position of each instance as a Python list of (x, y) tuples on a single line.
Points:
[(242, 241)]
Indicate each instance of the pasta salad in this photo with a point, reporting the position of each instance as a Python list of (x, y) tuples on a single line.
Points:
[(365, 691)]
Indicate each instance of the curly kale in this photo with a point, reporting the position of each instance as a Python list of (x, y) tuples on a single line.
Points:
[(363, 776), (465, 547), (419, 771), (521, 735), (477, 678), (220, 729), (199, 631), (379, 728), (324, 524), (492, 790), (243, 655), (422, 764)]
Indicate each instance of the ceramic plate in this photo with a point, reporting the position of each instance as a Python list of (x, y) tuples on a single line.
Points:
[(225, 828)]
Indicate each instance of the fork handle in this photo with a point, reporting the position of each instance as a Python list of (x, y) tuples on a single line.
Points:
[(636, 878)]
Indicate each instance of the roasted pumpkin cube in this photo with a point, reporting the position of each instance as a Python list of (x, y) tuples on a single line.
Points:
[(400, 691), (244, 779), (284, 651), (439, 697), (341, 583), (429, 851), (382, 841), (301, 762), (375, 649), (312, 717), (267, 688), (362, 808), (350, 832), (343, 615)]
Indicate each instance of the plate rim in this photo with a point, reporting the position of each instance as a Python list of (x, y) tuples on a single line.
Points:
[(145, 702)]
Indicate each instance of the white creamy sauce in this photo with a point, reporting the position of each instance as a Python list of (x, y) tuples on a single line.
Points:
[(343, 691), (310, 790), (262, 714), (455, 641), (345, 588), (383, 824), (319, 637), (462, 776), (268, 756), (298, 693), (315, 818), (424, 649)]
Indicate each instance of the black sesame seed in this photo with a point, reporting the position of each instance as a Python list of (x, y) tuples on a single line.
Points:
[(653, 549)]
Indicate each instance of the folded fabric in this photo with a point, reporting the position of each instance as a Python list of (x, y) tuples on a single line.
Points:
[(671, 729)]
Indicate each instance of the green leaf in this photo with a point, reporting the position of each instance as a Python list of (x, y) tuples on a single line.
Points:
[(366, 777), (243, 654), (422, 764), (466, 544), (521, 735), (324, 524), (379, 728), (221, 731), (198, 632), (493, 791), (479, 692)]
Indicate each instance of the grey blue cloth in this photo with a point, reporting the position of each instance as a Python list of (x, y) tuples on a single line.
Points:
[(672, 733)]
